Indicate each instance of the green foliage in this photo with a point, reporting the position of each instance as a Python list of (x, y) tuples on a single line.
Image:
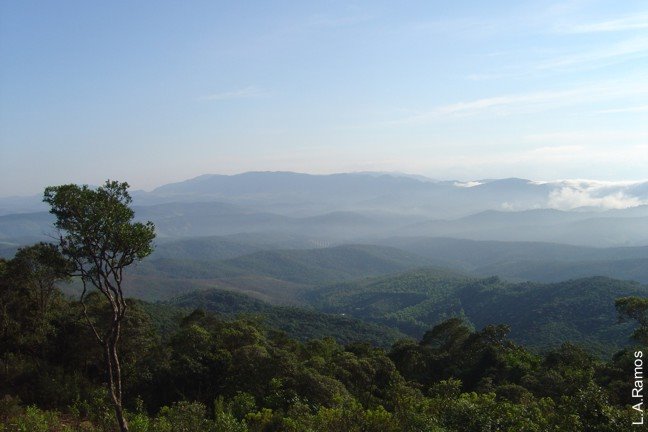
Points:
[(98, 237), (302, 324), (310, 266), (186, 417), (635, 308), (276, 276), (256, 379), (139, 422), (34, 420), (29, 298), (95, 408), (98, 222), (541, 316)]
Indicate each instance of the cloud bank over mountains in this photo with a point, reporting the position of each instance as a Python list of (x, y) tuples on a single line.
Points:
[(571, 194)]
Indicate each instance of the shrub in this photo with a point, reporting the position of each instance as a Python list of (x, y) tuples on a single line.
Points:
[(185, 417), (33, 420)]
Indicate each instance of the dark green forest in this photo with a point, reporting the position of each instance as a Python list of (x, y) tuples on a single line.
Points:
[(199, 371)]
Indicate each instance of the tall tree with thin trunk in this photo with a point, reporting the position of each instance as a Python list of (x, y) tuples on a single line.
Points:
[(98, 234)]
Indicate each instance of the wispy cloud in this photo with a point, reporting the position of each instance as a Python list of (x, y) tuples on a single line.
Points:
[(315, 23), (569, 198), (631, 22), (570, 194), (565, 7), (334, 22), (482, 105), (632, 109), (467, 184), (581, 137), (243, 93), (464, 28), (530, 102), (627, 49), (601, 56)]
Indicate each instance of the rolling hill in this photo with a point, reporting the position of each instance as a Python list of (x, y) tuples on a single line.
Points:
[(540, 315), (277, 276), (536, 261), (298, 323)]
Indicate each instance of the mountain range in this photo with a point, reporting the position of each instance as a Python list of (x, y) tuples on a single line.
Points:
[(363, 207)]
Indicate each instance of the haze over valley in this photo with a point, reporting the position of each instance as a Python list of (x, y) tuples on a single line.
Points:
[(288, 239)]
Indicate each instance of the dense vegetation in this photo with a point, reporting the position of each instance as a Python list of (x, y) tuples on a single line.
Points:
[(298, 323), (541, 316), (272, 275), (196, 371), (536, 261)]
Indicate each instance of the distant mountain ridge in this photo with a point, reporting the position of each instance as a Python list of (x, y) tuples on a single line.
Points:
[(360, 207), (300, 191)]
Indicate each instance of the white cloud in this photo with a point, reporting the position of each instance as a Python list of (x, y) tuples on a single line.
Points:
[(631, 22), (544, 163), (244, 93), (601, 56), (556, 153), (466, 27), (591, 194), (533, 101), (597, 185), (467, 184), (569, 139), (327, 22), (633, 109)]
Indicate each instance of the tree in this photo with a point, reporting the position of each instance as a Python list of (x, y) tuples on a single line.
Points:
[(98, 235), (635, 308), (37, 269), (29, 296), (447, 336)]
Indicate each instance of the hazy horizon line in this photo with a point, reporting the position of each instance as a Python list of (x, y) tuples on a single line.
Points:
[(460, 182)]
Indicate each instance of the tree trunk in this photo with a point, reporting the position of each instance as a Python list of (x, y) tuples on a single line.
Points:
[(114, 382), (121, 420)]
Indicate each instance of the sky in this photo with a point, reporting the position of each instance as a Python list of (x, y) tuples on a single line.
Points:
[(152, 92)]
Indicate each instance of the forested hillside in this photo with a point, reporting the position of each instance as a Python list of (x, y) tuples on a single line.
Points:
[(540, 315), (200, 372), (277, 276), (537, 261), (347, 280), (298, 323)]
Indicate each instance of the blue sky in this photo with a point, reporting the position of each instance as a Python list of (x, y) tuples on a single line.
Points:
[(154, 92)]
